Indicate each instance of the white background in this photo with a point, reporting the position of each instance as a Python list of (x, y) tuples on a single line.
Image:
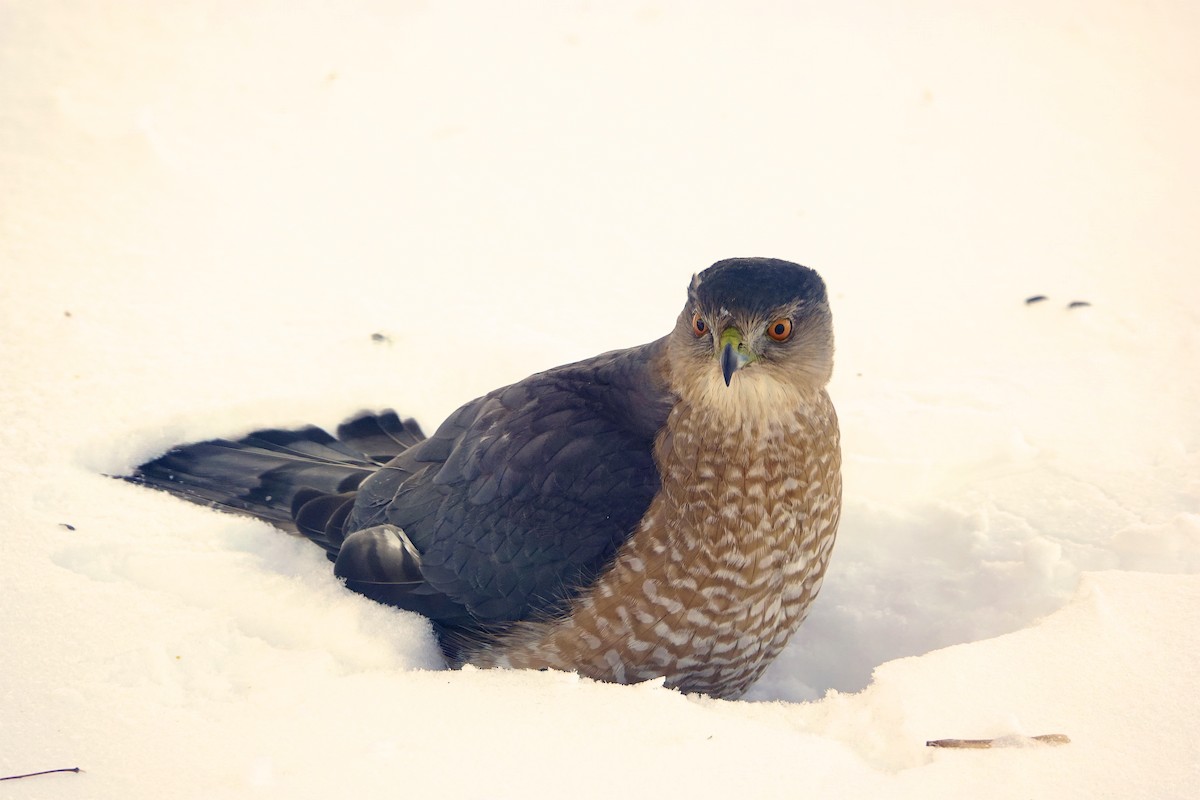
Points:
[(208, 209)]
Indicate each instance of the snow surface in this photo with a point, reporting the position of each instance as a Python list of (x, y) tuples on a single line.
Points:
[(209, 210)]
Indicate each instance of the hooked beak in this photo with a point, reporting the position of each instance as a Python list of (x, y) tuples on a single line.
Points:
[(733, 353)]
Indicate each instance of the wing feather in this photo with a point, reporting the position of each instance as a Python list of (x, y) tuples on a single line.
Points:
[(523, 496)]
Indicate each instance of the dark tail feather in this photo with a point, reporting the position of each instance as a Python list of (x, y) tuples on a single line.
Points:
[(322, 517), (381, 437), (269, 473)]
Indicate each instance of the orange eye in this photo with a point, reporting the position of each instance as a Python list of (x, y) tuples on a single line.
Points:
[(699, 326), (780, 330)]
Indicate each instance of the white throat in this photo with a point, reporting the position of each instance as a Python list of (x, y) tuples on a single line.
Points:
[(754, 398)]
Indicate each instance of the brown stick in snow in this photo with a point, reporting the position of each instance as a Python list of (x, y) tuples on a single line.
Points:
[(1003, 741)]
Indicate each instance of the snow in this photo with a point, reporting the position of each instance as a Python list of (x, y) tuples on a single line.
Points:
[(210, 209)]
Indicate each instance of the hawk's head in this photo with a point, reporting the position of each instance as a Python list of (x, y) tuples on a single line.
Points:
[(754, 331)]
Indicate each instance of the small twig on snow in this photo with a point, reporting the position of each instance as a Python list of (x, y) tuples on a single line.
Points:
[(43, 772), (1003, 741)]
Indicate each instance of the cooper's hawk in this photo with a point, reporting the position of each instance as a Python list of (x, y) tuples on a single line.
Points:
[(666, 510)]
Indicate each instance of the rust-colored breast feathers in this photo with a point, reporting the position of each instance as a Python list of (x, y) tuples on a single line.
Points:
[(723, 566)]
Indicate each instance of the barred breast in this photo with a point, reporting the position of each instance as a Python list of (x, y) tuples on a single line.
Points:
[(723, 567)]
